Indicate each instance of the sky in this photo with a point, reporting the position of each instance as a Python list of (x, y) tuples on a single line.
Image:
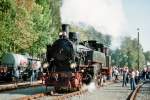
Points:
[(137, 13), (117, 18)]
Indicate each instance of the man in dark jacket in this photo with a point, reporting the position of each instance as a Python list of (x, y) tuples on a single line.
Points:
[(125, 74)]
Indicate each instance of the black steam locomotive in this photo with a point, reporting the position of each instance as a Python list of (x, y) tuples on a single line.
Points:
[(73, 63)]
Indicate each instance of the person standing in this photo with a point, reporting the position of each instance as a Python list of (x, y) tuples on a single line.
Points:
[(32, 77), (113, 70), (132, 79), (127, 78), (144, 73), (116, 73), (16, 76), (125, 74), (137, 77)]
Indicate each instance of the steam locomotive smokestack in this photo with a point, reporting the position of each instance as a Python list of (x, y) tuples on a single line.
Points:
[(65, 28)]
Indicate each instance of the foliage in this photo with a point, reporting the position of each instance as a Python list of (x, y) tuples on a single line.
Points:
[(28, 25), (127, 55), (147, 56)]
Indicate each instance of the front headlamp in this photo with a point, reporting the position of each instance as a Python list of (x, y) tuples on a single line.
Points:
[(73, 65), (45, 65)]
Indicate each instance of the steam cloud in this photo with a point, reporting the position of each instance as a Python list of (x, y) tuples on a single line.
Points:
[(106, 16), (91, 87)]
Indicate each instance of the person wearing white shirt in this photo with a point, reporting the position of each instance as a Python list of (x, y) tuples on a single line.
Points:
[(116, 73), (137, 77), (132, 79)]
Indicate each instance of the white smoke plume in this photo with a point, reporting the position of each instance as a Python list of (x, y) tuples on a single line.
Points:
[(91, 87), (106, 16)]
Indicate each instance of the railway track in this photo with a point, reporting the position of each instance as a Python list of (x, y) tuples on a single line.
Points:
[(21, 92), (40, 93), (12, 86), (36, 92), (141, 92), (53, 96), (58, 96)]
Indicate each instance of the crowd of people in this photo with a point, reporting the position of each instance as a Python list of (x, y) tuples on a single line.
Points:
[(132, 76)]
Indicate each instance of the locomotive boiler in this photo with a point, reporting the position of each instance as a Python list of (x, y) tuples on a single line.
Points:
[(72, 63)]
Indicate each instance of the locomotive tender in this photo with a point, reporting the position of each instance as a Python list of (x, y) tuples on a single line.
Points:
[(72, 64)]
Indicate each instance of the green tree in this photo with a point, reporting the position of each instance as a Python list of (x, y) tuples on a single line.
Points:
[(46, 23), (129, 54), (7, 27), (147, 57), (119, 58), (28, 25)]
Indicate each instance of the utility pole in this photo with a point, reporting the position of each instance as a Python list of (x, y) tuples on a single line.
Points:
[(138, 49)]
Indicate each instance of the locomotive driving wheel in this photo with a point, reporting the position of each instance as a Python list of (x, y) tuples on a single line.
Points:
[(88, 78)]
